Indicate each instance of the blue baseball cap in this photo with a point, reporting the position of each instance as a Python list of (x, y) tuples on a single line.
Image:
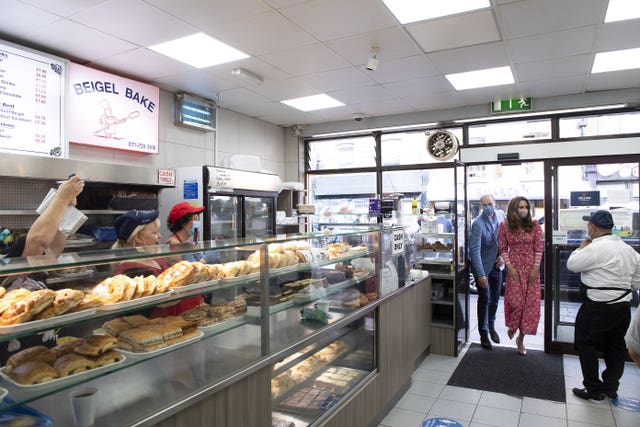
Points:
[(601, 219), (126, 223)]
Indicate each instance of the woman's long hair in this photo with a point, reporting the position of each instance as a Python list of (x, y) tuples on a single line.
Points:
[(514, 222)]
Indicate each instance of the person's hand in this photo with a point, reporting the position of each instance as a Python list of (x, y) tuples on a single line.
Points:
[(585, 242), (69, 190), (513, 273), (499, 262), (482, 282), (533, 274)]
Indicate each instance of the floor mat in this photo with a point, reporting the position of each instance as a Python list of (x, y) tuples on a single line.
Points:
[(503, 370)]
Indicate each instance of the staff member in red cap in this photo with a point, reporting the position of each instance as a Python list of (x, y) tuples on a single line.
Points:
[(181, 223)]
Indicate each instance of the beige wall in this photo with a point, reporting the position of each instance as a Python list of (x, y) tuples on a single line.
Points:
[(236, 134)]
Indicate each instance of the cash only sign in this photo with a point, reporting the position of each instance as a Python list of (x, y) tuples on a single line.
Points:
[(110, 111)]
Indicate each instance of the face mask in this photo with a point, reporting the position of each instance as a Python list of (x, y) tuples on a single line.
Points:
[(196, 225), (488, 210), (522, 213)]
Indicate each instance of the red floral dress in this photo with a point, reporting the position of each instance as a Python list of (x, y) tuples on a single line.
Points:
[(521, 300)]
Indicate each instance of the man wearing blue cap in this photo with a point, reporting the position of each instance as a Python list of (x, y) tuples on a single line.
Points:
[(610, 270)]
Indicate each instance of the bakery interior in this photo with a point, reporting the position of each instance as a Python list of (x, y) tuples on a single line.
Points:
[(331, 252)]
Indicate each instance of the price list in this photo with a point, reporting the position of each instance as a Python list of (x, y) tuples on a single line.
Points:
[(31, 103)]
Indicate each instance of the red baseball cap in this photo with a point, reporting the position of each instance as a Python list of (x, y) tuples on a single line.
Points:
[(181, 209)]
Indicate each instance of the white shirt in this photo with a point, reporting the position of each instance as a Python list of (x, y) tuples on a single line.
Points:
[(607, 262)]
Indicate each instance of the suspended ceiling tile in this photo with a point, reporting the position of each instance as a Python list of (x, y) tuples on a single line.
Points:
[(388, 107), (553, 87), (392, 43), (614, 80), (63, 8), (470, 58), (18, 18), (196, 82), (424, 86), (553, 45), (239, 96), (439, 101), (531, 17), (339, 79), (403, 69), (306, 60), (619, 35), (455, 31), (143, 63), (285, 89), (252, 64), (78, 41), (334, 19), (578, 65), (279, 4), (362, 94)]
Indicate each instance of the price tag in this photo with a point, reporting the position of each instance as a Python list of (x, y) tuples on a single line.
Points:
[(398, 242)]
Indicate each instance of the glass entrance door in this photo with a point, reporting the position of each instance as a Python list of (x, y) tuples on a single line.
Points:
[(577, 189)]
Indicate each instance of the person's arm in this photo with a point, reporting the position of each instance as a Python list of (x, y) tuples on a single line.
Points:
[(581, 259), (44, 234), (534, 274), (503, 245), (475, 239)]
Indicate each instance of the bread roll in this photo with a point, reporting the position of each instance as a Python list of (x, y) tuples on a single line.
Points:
[(72, 363), (38, 353), (33, 372)]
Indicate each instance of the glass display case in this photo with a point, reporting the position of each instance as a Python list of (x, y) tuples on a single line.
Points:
[(155, 341)]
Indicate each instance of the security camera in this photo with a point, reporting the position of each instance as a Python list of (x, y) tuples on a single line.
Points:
[(358, 117)]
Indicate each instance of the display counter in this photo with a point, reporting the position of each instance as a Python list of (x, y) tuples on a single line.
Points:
[(263, 342)]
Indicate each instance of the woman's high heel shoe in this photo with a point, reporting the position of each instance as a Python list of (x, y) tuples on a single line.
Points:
[(520, 344), (511, 333)]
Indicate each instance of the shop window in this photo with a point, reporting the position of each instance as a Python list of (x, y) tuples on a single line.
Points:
[(609, 124), (524, 130), (409, 148), (344, 153)]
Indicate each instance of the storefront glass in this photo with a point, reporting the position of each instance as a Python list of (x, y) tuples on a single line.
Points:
[(344, 153), (604, 124), (409, 148), (524, 130)]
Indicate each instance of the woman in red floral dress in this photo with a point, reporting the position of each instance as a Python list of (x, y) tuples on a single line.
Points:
[(520, 240)]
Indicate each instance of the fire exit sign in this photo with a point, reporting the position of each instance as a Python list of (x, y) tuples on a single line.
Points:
[(511, 105)]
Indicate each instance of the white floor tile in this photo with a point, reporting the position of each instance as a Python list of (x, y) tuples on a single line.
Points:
[(403, 418), (589, 414), (544, 407), (532, 420), (435, 377), (579, 424), (453, 410), (415, 402), (501, 401), (497, 417), (460, 394), (436, 362), (626, 418), (425, 388)]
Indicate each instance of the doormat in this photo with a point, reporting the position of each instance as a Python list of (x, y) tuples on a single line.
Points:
[(503, 370)]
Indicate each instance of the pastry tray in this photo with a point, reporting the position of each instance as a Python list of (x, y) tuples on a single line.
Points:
[(59, 277), (64, 381), (254, 310), (223, 326), (134, 302), (47, 323), (240, 279), (162, 350), (194, 286)]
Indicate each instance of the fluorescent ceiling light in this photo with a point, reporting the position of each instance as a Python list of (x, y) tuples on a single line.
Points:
[(313, 102), (616, 60), (359, 131), (199, 50), (542, 113), (246, 75), (481, 78), (407, 11), (621, 10)]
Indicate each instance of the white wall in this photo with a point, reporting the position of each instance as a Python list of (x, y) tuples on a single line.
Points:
[(179, 146)]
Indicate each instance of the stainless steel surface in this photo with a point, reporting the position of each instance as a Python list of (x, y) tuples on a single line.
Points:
[(13, 165)]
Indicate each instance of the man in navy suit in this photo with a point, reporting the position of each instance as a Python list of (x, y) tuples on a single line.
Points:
[(486, 267)]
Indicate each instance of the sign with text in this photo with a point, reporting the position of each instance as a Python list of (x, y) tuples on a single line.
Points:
[(398, 242), (31, 103), (110, 111), (511, 105), (167, 176), (585, 198)]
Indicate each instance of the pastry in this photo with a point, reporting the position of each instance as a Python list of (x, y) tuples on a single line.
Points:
[(89, 301), (107, 358), (136, 320), (64, 301), (200, 274), (178, 274), (139, 290), (215, 271), (194, 315), (230, 269), (96, 345), (27, 308), (2, 291), (67, 347), (111, 289), (12, 297), (72, 363), (140, 337), (38, 353), (116, 326), (34, 372), (150, 283)]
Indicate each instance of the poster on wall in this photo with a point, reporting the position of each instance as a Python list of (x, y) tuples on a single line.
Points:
[(31, 102), (109, 111)]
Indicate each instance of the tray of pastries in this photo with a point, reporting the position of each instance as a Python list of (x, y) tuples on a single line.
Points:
[(121, 291), (210, 316), (69, 361), (23, 310), (138, 336)]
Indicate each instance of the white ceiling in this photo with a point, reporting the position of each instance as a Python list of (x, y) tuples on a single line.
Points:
[(305, 47)]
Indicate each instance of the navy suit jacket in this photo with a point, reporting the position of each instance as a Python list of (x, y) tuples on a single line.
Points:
[(483, 244)]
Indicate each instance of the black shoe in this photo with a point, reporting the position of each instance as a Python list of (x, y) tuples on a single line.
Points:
[(582, 393), (611, 394), (494, 336), (485, 343)]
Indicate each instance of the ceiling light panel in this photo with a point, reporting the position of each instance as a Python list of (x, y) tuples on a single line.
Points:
[(616, 60), (407, 11), (481, 78), (199, 50), (314, 102), (621, 10)]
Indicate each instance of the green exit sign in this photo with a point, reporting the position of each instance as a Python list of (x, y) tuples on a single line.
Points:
[(511, 105)]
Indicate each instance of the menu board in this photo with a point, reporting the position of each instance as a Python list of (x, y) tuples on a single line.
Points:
[(31, 102)]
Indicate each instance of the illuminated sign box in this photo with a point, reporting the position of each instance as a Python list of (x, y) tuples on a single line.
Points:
[(194, 112), (109, 111)]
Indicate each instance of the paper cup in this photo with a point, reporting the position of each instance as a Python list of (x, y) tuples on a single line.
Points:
[(83, 403), (323, 306)]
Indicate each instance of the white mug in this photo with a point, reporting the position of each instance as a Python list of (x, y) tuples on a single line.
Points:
[(83, 403)]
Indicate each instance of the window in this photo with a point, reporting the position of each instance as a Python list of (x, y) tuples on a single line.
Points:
[(344, 153), (609, 124), (409, 148), (524, 130)]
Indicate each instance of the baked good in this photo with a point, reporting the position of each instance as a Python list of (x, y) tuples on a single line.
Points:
[(88, 301), (2, 291), (194, 315), (130, 286), (116, 326), (136, 320), (27, 308), (178, 274), (107, 358), (33, 372), (141, 337), (96, 345), (72, 363), (38, 353), (111, 289), (64, 301), (12, 297), (230, 269), (66, 347), (215, 271), (139, 291), (150, 283), (200, 272)]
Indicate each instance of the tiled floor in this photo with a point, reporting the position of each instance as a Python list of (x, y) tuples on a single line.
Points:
[(431, 397)]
